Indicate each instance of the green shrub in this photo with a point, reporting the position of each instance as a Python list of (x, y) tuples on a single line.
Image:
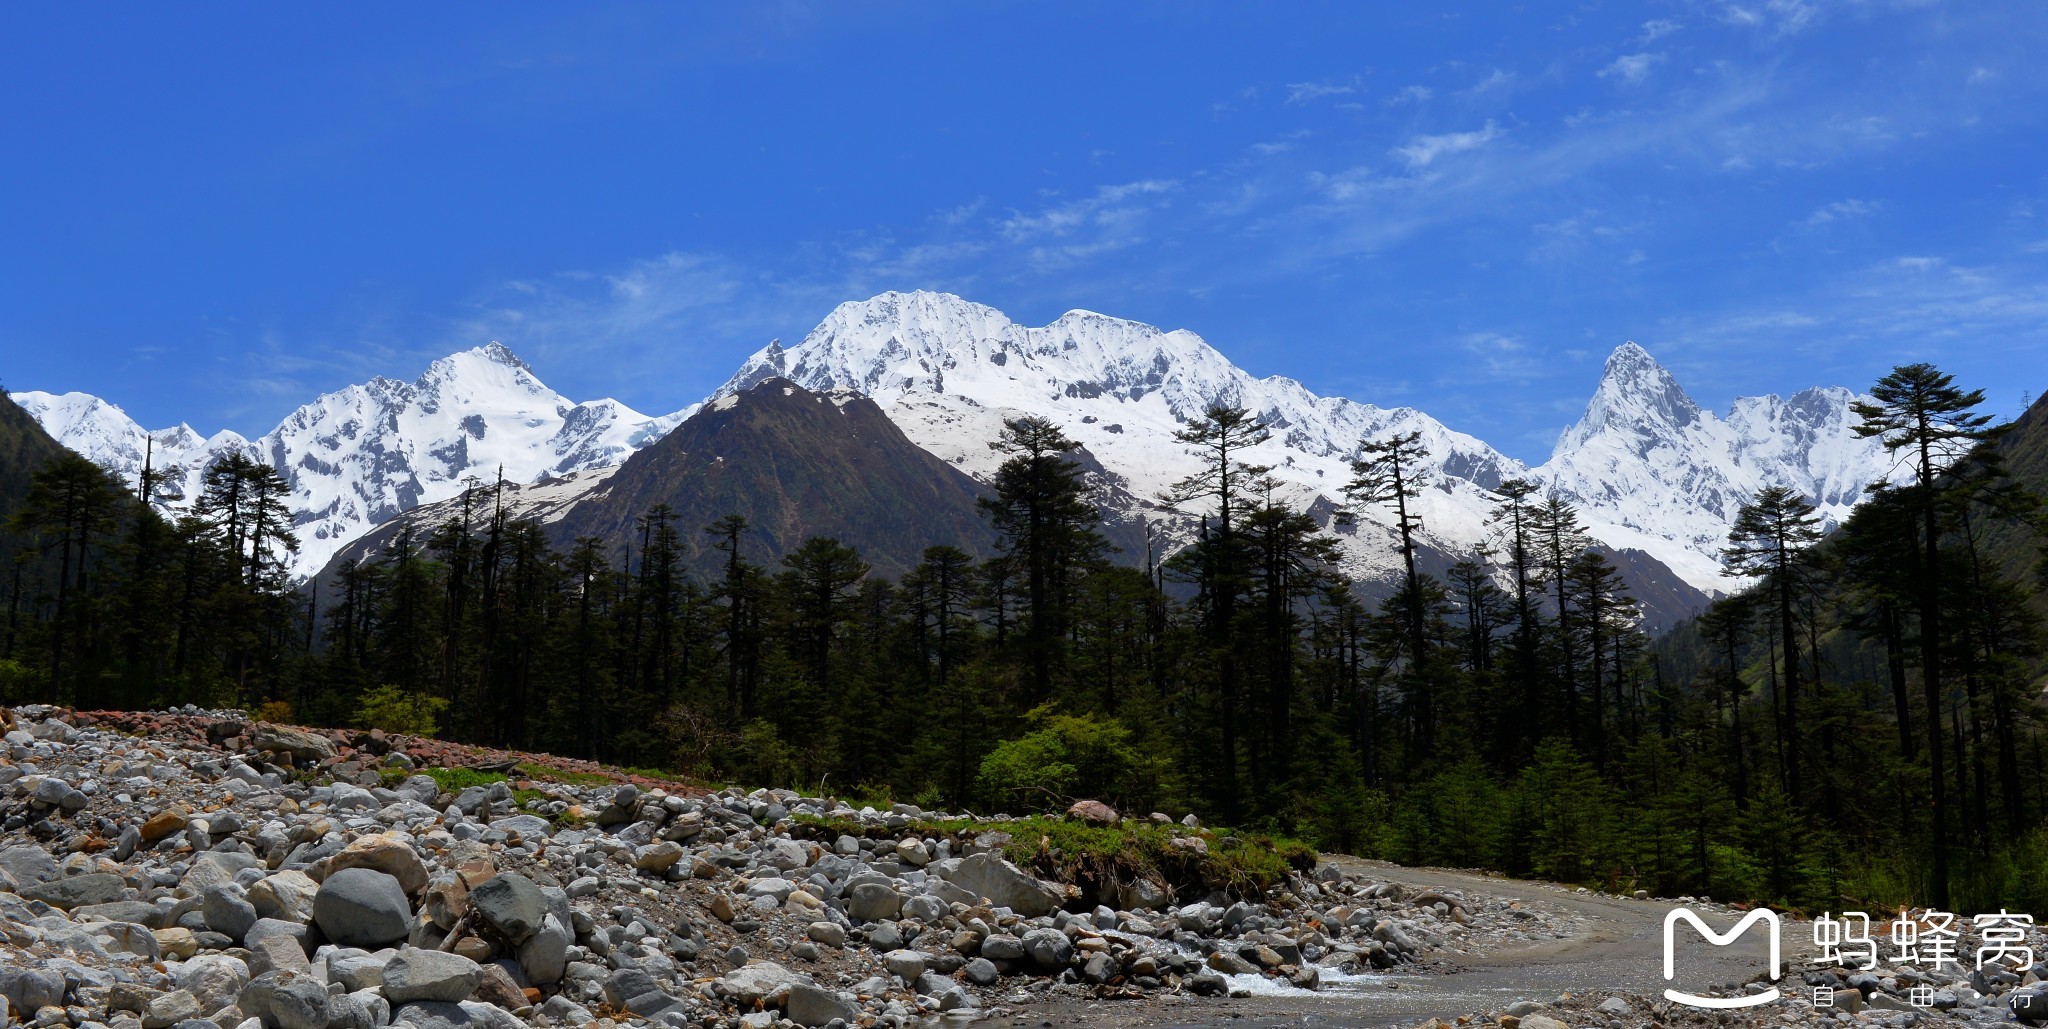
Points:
[(395, 710), (1064, 757), (18, 683)]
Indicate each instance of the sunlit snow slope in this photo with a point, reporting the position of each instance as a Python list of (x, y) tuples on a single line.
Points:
[(363, 454)]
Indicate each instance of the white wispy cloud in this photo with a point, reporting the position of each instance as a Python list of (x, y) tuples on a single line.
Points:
[(1631, 68), (1657, 28), (1306, 92), (1104, 206), (1410, 95), (1497, 79), (1421, 151), (1778, 17), (1841, 210), (1502, 357)]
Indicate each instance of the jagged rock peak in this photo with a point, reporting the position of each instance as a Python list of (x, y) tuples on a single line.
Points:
[(1636, 391)]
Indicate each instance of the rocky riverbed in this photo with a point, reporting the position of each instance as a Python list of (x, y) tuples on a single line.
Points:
[(192, 869)]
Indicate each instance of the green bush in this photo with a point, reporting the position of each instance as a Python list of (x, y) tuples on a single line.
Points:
[(18, 683), (395, 710), (1063, 758)]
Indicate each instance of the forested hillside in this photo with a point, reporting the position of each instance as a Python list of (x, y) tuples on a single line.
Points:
[(1509, 714)]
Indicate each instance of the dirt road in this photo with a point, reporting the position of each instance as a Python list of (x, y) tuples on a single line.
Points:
[(1619, 948)]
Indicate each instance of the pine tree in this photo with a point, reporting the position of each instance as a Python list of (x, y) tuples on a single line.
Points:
[(1769, 538), (1218, 562), (1044, 523), (71, 507), (1919, 410)]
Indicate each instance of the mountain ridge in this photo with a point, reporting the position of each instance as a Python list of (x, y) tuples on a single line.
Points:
[(360, 455), (1653, 473)]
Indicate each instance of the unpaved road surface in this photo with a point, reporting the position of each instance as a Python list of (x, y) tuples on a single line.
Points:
[(1619, 948)]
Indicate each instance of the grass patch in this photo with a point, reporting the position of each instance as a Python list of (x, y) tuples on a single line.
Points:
[(1097, 858), (534, 770), (455, 780)]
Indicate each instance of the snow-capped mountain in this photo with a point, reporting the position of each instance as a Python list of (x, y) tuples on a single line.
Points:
[(1657, 479), (361, 455), (105, 433), (1649, 469), (949, 371)]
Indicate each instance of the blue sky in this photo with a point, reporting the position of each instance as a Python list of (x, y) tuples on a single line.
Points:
[(213, 213)]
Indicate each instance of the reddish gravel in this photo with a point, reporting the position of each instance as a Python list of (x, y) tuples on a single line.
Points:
[(359, 753)]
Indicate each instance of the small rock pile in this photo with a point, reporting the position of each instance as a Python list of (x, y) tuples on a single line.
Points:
[(222, 873)]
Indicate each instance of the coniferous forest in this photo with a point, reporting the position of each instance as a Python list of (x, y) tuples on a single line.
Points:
[(1863, 725)]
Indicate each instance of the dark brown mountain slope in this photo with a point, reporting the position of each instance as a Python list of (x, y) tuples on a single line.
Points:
[(795, 464)]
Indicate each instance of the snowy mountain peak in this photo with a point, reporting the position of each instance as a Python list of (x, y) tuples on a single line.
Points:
[(362, 454), (1651, 470), (948, 371), (1636, 392), (502, 354)]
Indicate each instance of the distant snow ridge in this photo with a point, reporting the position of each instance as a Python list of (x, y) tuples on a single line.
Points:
[(1650, 470), (949, 371), (363, 454)]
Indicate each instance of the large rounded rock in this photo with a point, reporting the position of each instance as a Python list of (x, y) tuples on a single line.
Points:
[(359, 907), (78, 890), (1004, 884), (1002, 947), (227, 911), (429, 975), (873, 902), (815, 1006), (2030, 1004), (216, 979), (387, 854), (284, 739), (906, 963), (511, 905), (1094, 812), (1048, 948), (286, 896), (286, 1000), (545, 956)]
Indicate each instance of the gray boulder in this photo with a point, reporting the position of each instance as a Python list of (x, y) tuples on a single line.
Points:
[(545, 956), (981, 972), (2030, 1004), (141, 912), (286, 1000), (1048, 948), (26, 865), (300, 744), (815, 1006), (227, 910), (359, 907), (435, 1014), (873, 902), (78, 891), (1002, 947), (908, 964), (511, 905), (216, 979), (429, 975), (28, 989), (1004, 884), (361, 1010)]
